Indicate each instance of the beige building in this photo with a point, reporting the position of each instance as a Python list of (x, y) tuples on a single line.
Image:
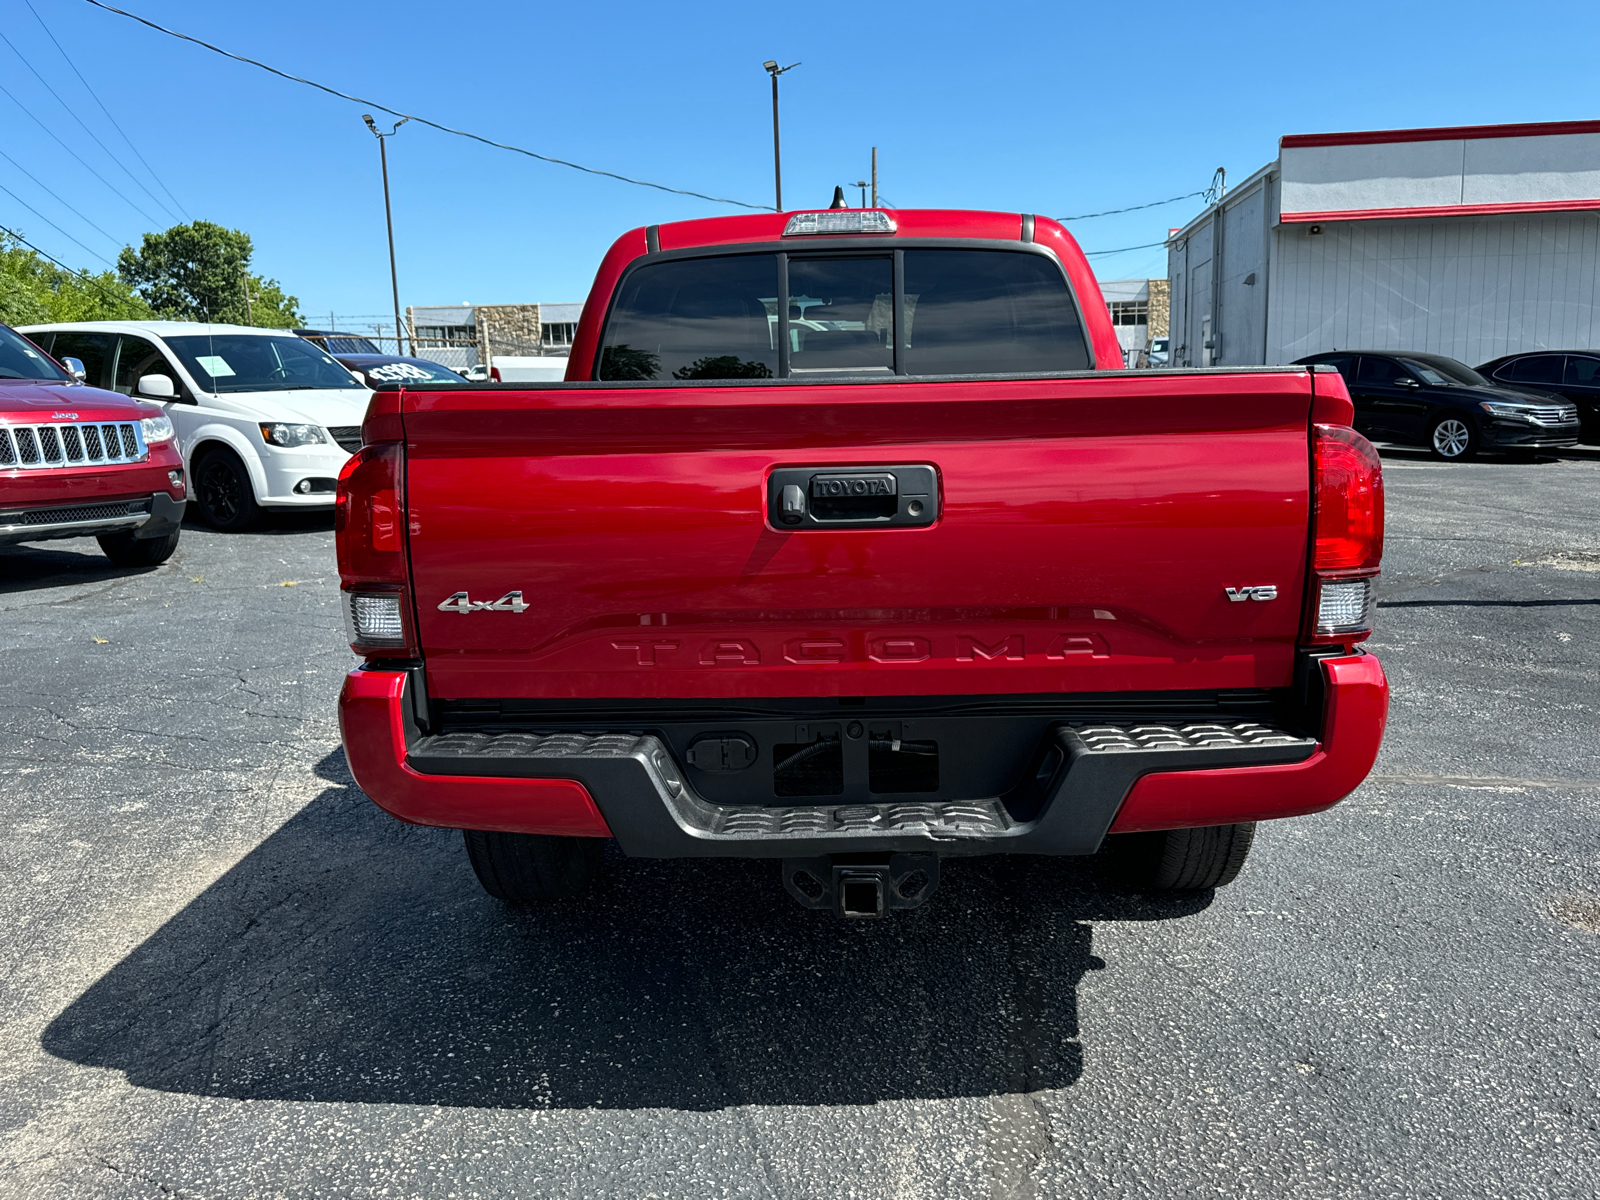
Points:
[(1139, 313), (463, 335)]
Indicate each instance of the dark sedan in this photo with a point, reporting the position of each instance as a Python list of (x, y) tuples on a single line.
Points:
[(1571, 374), (1433, 401), (373, 369)]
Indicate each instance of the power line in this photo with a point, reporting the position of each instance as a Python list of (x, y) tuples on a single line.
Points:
[(52, 224), (87, 278), (94, 136), (394, 112), (103, 107), (47, 188), (1211, 192), (1207, 192), (75, 154), (1123, 249)]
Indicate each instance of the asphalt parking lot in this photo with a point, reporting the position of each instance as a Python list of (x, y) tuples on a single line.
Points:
[(226, 974)]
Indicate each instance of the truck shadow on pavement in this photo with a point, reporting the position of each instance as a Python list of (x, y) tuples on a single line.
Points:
[(352, 958)]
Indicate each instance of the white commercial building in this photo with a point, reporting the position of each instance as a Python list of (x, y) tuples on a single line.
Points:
[(1473, 242)]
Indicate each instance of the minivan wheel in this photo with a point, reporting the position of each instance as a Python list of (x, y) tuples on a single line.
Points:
[(1182, 860), (1453, 438), (532, 868), (223, 492)]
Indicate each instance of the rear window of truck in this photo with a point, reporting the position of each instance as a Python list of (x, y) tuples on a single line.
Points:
[(723, 317)]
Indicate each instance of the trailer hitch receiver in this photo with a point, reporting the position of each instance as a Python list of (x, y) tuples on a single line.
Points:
[(862, 885)]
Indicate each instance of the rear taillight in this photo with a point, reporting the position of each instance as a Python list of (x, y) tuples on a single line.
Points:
[(1347, 535), (369, 532)]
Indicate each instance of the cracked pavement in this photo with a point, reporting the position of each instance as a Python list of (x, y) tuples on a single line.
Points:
[(227, 975)]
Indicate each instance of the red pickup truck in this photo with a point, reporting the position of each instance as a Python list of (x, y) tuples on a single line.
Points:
[(846, 543), (76, 461)]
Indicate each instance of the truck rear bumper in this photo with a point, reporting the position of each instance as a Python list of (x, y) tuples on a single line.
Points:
[(1086, 780)]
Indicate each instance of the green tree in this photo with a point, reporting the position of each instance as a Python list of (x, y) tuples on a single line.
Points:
[(34, 291), (200, 272)]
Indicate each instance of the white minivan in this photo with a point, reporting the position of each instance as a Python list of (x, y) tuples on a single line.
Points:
[(264, 418)]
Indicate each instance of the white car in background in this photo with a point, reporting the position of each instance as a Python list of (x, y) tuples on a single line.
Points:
[(264, 419)]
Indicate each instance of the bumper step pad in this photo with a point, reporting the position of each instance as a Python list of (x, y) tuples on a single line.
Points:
[(1112, 739), (949, 819), (1073, 788)]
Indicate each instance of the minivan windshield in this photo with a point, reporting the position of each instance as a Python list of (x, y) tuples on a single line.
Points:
[(20, 359), (242, 362)]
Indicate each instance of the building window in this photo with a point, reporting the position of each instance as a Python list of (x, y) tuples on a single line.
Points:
[(448, 335), (558, 335), (1130, 312)]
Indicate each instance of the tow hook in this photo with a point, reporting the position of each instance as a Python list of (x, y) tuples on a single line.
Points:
[(862, 885)]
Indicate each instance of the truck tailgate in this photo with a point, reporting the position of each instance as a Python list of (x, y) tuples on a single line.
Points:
[(1090, 531)]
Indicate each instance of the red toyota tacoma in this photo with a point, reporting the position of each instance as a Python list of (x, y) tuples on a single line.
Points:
[(846, 543), (76, 461)]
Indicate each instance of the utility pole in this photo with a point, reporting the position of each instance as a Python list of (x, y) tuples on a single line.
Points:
[(244, 276), (874, 177), (388, 216), (775, 70)]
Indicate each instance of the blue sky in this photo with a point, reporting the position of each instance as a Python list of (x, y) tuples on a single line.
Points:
[(1048, 108)]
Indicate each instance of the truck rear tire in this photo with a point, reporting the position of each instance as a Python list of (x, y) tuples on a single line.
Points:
[(532, 868), (1182, 860), (125, 550)]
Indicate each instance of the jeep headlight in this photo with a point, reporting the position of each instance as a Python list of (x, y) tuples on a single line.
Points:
[(156, 429), (279, 433)]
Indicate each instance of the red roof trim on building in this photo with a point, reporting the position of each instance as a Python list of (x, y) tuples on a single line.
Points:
[(1442, 210), (1445, 134)]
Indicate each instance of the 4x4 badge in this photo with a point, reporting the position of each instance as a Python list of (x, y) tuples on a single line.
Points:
[(461, 603)]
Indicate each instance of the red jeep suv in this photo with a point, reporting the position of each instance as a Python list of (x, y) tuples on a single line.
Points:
[(76, 461)]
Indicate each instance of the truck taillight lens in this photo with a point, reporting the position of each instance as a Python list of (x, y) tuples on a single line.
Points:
[(1347, 534), (368, 516), (1349, 517)]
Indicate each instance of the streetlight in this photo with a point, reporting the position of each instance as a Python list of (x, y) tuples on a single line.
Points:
[(383, 157), (775, 70), (862, 184)]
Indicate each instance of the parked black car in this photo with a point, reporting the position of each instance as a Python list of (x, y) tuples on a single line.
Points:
[(1433, 401), (338, 343), (373, 369), (1572, 374)]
